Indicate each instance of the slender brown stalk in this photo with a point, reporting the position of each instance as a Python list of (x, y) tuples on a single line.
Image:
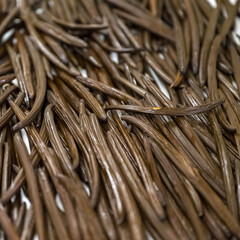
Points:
[(182, 111)]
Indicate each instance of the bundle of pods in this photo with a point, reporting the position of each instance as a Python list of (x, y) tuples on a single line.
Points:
[(119, 119)]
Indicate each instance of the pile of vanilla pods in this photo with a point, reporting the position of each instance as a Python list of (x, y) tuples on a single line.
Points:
[(119, 119)]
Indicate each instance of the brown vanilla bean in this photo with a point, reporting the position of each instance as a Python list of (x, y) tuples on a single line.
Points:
[(111, 91), (32, 183), (72, 25), (41, 86), (182, 111), (26, 65), (57, 48), (56, 141), (180, 43), (71, 146), (195, 38), (18, 72), (208, 38)]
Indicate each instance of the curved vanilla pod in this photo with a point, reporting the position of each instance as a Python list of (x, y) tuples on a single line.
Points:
[(18, 71), (109, 90), (105, 160), (31, 182), (56, 141), (76, 26), (181, 111), (179, 35), (93, 168), (41, 87), (223, 63), (71, 145), (207, 40), (194, 35), (6, 170), (26, 64), (186, 28), (118, 50), (224, 121)]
